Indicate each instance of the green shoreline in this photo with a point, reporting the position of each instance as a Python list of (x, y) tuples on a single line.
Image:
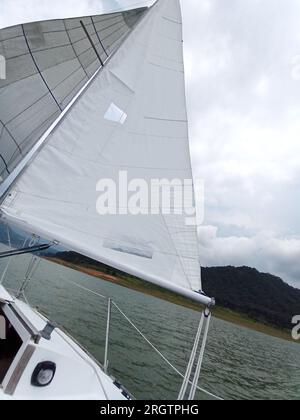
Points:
[(140, 286)]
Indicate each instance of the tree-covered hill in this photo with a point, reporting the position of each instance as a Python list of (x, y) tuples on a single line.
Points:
[(261, 296)]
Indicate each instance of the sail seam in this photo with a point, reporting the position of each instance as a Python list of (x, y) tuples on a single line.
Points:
[(164, 119), (55, 48), (12, 137), (172, 20), (122, 81), (165, 67), (30, 75), (47, 93), (5, 164), (177, 254), (38, 69), (115, 32), (98, 36), (114, 24), (72, 44), (165, 168), (80, 203)]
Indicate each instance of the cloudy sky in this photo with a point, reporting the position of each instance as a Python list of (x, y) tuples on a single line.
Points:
[(243, 88)]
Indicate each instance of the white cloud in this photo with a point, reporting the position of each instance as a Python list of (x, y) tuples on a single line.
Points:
[(244, 110), (264, 251)]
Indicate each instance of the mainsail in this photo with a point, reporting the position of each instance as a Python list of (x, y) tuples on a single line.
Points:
[(47, 63), (131, 118)]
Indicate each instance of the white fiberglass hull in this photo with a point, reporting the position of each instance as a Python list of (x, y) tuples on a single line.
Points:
[(77, 375)]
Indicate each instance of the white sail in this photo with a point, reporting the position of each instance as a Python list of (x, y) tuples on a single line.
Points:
[(132, 118)]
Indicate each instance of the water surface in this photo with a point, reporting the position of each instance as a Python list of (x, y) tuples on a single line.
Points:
[(239, 363)]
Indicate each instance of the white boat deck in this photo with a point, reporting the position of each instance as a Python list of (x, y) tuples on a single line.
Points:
[(77, 375)]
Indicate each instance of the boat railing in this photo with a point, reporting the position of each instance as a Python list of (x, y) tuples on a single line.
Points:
[(21, 294), (110, 304)]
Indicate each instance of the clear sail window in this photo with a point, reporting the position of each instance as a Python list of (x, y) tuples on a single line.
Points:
[(115, 114)]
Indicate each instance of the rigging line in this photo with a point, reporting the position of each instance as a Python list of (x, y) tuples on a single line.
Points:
[(161, 355), (200, 360), (142, 335), (9, 260), (23, 251), (84, 288), (31, 270), (92, 43), (37, 67), (95, 44), (191, 361)]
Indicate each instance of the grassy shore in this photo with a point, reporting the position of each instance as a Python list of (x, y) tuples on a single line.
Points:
[(246, 322), (136, 284)]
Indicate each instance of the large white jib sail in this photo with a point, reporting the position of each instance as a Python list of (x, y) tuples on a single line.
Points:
[(131, 118)]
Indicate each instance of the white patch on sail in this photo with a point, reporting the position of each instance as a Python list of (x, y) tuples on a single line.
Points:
[(129, 246), (115, 114)]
